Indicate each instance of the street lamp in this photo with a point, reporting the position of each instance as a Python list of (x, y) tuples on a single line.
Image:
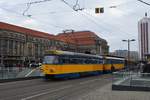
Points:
[(128, 41)]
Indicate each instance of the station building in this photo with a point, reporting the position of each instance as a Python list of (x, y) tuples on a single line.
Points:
[(22, 45), (84, 42), (19, 45)]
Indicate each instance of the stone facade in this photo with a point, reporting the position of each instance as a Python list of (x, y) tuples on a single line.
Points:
[(23, 47), (20, 45), (84, 42), (19, 48)]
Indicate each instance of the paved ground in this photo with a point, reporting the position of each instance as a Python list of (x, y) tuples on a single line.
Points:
[(105, 93), (88, 88)]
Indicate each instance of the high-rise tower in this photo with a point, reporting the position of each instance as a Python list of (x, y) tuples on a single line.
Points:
[(144, 36)]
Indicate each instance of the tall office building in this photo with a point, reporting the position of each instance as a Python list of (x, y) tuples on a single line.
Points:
[(144, 36)]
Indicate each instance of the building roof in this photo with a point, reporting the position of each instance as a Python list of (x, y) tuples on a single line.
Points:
[(27, 31), (78, 38)]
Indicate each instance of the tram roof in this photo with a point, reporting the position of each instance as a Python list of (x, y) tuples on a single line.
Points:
[(117, 58), (58, 52)]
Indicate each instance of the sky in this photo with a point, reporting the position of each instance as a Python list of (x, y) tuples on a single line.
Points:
[(118, 22)]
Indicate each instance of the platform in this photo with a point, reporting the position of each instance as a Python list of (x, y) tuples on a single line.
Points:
[(131, 81)]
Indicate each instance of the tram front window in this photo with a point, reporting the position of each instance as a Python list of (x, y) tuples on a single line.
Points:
[(50, 60)]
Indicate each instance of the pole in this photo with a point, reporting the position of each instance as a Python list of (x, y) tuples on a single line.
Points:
[(128, 58), (76, 45), (129, 53), (65, 32)]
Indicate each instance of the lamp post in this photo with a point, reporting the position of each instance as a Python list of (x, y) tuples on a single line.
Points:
[(128, 41), (74, 38)]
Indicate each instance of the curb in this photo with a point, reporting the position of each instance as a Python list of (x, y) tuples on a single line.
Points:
[(130, 88), (20, 79)]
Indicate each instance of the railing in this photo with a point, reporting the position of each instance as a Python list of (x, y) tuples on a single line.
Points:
[(18, 72), (130, 78)]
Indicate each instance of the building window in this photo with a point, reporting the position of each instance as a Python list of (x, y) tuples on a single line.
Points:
[(11, 47)]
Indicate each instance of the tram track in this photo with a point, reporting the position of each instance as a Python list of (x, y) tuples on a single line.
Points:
[(38, 88)]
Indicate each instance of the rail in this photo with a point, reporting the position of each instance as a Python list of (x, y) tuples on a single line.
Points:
[(130, 78), (18, 72)]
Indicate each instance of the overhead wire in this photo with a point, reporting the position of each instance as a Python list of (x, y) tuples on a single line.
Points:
[(104, 23), (77, 11), (106, 30), (67, 4), (77, 3), (107, 24), (91, 19), (144, 2), (75, 7), (133, 13), (33, 18), (52, 12), (28, 7), (31, 3)]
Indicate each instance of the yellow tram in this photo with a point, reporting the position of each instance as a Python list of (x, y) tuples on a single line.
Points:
[(64, 64), (112, 63)]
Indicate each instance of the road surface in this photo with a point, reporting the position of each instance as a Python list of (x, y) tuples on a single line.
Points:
[(39, 89)]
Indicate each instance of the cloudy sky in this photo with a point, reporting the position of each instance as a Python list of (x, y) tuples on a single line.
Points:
[(54, 16)]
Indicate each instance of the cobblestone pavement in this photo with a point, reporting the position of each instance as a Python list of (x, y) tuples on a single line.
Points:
[(106, 93)]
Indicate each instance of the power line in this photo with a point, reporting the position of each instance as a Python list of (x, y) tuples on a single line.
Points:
[(52, 12), (93, 21), (75, 7), (33, 18), (67, 4), (28, 7), (118, 29), (81, 13), (31, 3), (90, 18), (125, 3), (144, 2)]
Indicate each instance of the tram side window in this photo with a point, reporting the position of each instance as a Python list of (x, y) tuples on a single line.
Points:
[(91, 61), (87, 61), (64, 60), (108, 61), (114, 61), (94, 61), (70, 60), (100, 61), (50, 60), (120, 61), (76, 60), (79, 61), (73, 61)]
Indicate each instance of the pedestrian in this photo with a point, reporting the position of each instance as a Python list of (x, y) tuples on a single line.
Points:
[(146, 68)]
